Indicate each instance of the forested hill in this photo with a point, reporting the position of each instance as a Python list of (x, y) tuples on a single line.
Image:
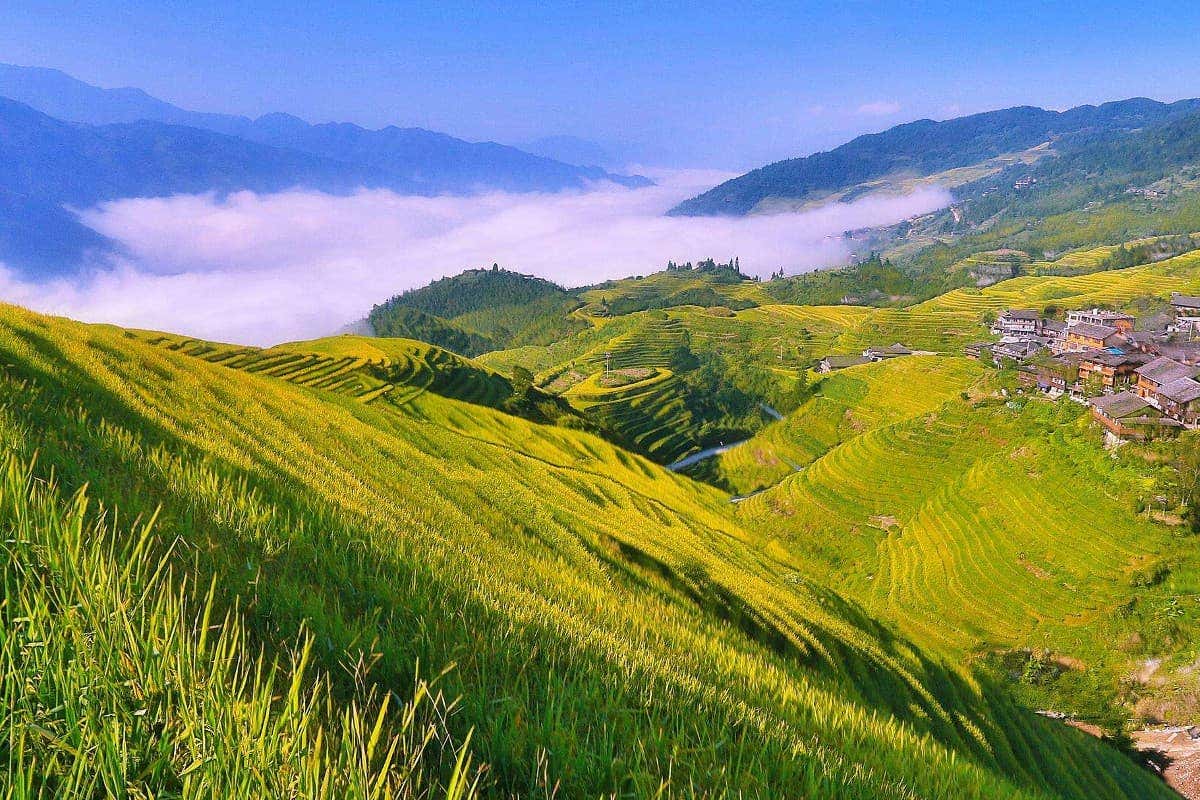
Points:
[(925, 147), (479, 310), (474, 289)]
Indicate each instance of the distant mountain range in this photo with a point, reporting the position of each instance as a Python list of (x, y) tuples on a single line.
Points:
[(924, 148), (64, 142)]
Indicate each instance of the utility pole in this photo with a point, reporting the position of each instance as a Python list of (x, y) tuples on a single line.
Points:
[(607, 360)]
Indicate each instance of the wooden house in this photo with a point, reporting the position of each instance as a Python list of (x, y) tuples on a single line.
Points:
[(1086, 336), (1158, 373), (1127, 416)]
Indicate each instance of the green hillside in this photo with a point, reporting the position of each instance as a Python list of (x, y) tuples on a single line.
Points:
[(979, 526), (647, 408), (844, 405), (596, 625), (487, 308)]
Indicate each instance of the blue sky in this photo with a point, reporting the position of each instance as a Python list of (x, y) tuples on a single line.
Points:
[(682, 84)]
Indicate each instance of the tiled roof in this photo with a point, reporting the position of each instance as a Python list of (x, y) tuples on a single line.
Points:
[(838, 362), (1183, 390), (1185, 301), (1021, 313), (1110, 359), (1100, 332), (1163, 370), (1121, 404)]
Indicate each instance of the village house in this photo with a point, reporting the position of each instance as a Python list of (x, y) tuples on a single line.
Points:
[(1053, 334), (1180, 400), (1016, 349), (1124, 415), (878, 353), (1099, 316), (1110, 370), (979, 350), (1187, 312), (1056, 375), (1158, 373), (832, 363), (1018, 322), (1088, 336)]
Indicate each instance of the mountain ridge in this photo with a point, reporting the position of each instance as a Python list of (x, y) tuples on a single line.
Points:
[(923, 147)]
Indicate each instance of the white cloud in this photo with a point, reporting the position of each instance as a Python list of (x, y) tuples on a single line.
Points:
[(260, 269), (881, 108)]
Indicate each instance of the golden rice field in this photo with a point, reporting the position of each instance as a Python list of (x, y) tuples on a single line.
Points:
[(1113, 287), (973, 527), (846, 404), (597, 625), (649, 414)]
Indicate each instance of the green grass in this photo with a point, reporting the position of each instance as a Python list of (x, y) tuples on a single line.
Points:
[(607, 628), (120, 680)]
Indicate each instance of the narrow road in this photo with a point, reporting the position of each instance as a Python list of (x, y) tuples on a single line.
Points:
[(703, 454), (724, 448)]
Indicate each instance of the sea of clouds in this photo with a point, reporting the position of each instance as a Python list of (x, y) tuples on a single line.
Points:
[(262, 269)]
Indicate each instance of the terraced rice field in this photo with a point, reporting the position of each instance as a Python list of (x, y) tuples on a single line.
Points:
[(846, 404), (650, 414), (970, 527), (799, 334), (941, 330), (663, 284), (651, 343), (1085, 261), (992, 265), (364, 368), (341, 373), (1112, 287)]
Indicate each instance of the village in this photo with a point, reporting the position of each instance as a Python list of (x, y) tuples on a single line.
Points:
[(1138, 376)]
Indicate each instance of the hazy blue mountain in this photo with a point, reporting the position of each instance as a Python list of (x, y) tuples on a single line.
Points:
[(925, 147), (422, 160), (65, 143), (48, 166)]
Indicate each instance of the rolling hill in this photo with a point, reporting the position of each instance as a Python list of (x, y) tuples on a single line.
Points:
[(926, 147), (592, 623)]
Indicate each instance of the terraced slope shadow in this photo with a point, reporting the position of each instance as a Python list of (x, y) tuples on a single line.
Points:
[(363, 368), (387, 535)]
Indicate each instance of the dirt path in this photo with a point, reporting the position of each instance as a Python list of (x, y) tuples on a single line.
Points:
[(1177, 751)]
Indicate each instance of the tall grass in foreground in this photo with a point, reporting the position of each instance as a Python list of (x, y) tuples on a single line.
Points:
[(113, 686)]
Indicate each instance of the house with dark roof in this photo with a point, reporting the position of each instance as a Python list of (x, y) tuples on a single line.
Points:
[(1086, 336), (1180, 400), (1056, 375), (1110, 370), (1158, 373), (1016, 349), (1019, 322), (1187, 312), (1053, 333), (879, 353), (979, 350), (831, 363), (1126, 416)]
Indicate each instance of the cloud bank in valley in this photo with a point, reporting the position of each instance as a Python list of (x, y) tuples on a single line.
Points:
[(261, 269)]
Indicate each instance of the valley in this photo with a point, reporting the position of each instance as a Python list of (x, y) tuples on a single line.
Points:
[(929, 552)]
